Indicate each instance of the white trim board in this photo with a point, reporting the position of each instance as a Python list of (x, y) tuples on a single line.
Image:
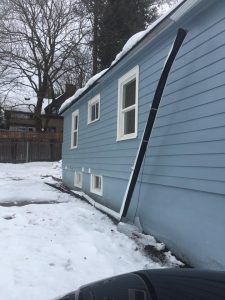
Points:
[(99, 206)]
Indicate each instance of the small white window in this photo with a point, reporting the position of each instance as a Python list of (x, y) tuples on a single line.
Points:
[(96, 184), (78, 179), (128, 105), (74, 129), (94, 109)]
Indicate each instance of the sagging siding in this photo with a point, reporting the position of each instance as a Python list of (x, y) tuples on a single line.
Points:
[(187, 146), (184, 169), (97, 146), (183, 181), (190, 222)]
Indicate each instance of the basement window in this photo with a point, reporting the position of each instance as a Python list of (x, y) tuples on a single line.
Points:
[(74, 129), (127, 119), (94, 109), (78, 179), (97, 184)]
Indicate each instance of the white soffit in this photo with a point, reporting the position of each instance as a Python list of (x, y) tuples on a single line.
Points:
[(186, 7)]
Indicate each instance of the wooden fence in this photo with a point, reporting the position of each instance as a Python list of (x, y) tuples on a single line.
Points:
[(20, 147)]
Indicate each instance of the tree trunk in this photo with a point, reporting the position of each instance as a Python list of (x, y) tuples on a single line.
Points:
[(95, 39), (37, 114)]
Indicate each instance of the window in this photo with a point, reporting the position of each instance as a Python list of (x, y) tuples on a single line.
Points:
[(94, 109), (128, 105), (74, 129), (97, 184), (78, 179)]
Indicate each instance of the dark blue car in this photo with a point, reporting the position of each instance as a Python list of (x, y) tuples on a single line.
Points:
[(162, 284)]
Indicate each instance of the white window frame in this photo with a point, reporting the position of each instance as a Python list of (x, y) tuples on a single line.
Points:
[(91, 103), (129, 76), (93, 189), (78, 183), (74, 114)]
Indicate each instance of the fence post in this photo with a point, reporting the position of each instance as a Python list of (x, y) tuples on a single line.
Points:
[(52, 149), (14, 151), (27, 152)]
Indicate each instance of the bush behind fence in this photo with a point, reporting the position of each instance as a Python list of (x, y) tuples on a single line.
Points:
[(20, 147)]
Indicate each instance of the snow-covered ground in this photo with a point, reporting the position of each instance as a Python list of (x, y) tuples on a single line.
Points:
[(50, 249)]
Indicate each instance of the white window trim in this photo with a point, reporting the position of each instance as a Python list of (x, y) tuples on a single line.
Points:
[(132, 74), (74, 114), (91, 102), (93, 189), (77, 184)]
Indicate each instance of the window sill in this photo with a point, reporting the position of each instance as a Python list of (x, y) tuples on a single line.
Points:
[(78, 186), (97, 192), (127, 137), (91, 122)]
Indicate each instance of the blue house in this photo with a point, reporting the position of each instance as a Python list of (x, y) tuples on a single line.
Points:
[(180, 192)]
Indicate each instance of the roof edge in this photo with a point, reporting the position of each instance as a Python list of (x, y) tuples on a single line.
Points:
[(158, 22)]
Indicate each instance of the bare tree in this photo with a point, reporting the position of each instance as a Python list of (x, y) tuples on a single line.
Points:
[(42, 42)]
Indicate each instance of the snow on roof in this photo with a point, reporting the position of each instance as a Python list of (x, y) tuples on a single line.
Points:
[(132, 41), (139, 35)]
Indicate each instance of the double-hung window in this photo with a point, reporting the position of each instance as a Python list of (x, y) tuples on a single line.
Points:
[(94, 109), (74, 129), (128, 105)]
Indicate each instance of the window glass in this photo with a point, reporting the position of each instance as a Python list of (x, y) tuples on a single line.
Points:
[(129, 94), (93, 112), (97, 110), (74, 129), (75, 122), (75, 138), (94, 109), (129, 122), (78, 179), (96, 184)]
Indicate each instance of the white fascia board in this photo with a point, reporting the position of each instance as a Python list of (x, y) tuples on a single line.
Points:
[(99, 206), (185, 8)]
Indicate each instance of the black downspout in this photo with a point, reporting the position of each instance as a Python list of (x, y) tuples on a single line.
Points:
[(151, 118)]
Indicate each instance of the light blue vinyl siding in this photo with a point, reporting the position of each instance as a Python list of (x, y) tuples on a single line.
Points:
[(183, 176), (190, 122), (189, 119), (190, 222), (190, 116)]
